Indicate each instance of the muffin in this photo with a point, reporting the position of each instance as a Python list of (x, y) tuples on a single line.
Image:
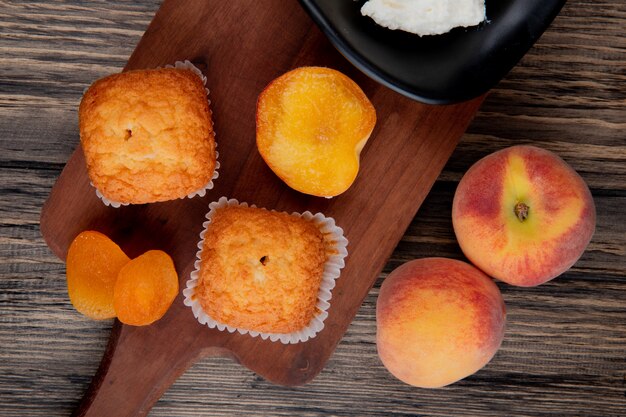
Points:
[(147, 135), (261, 270), (264, 272)]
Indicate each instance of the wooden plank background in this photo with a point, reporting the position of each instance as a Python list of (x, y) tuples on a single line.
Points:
[(564, 353)]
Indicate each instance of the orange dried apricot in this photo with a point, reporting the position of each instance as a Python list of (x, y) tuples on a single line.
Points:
[(312, 124), (145, 288), (93, 263)]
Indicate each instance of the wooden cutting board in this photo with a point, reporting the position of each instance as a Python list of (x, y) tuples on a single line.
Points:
[(241, 46)]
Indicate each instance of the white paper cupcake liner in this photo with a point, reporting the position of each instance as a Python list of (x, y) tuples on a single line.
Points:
[(334, 263), (202, 191)]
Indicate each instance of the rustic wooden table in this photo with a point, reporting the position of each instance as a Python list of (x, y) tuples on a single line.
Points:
[(564, 353)]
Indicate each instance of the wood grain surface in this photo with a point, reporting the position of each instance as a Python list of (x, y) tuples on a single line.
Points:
[(403, 157), (565, 348)]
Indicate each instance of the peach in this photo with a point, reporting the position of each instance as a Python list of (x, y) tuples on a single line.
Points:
[(438, 321), (312, 124), (523, 215)]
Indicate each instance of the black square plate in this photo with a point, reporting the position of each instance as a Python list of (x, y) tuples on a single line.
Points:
[(459, 65)]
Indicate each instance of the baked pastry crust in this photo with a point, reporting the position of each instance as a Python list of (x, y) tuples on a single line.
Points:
[(147, 135), (261, 270)]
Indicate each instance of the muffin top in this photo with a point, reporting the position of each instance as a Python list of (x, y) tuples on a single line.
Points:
[(147, 135), (261, 270)]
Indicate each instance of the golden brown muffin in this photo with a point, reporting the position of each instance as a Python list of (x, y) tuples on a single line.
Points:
[(261, 270), (147, 135)]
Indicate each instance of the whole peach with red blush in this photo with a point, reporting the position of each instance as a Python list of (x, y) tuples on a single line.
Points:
[(438, 320), (523, 215)]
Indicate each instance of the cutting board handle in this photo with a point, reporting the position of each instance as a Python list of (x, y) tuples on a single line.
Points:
[(136, 370)]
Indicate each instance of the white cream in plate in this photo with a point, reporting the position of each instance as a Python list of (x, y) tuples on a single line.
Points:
[(425, 17)]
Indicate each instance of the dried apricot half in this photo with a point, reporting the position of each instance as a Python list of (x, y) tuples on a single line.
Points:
[(312, 124), (93, 263), (145, 288)]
